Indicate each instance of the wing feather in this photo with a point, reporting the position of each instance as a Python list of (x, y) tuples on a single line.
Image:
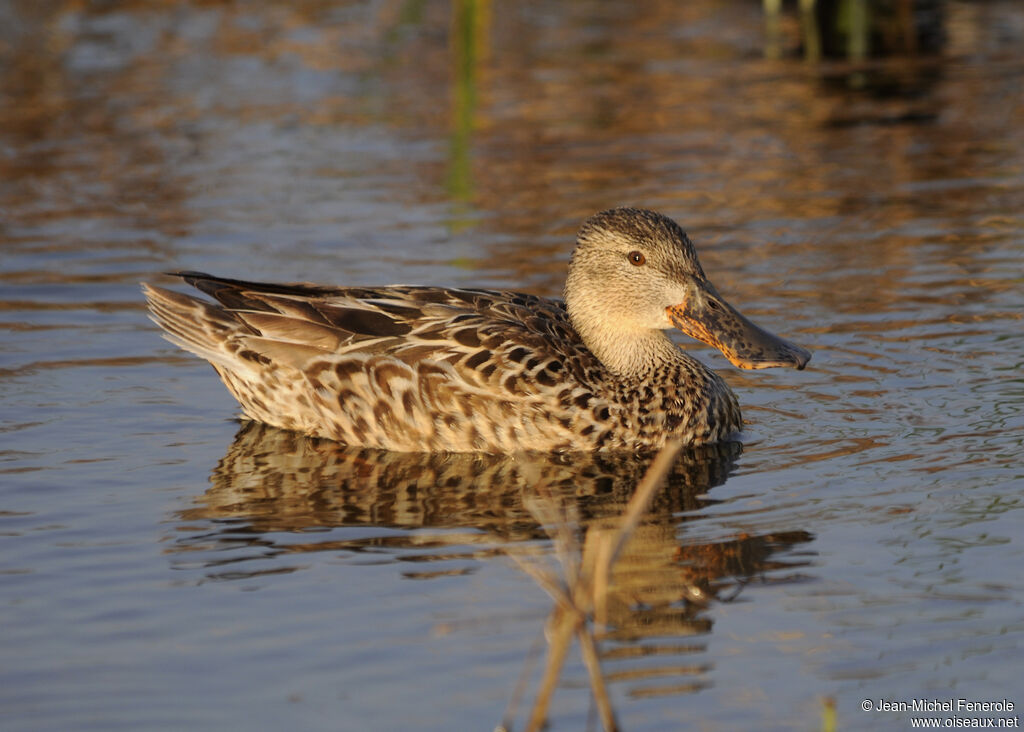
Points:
[(418, 362)]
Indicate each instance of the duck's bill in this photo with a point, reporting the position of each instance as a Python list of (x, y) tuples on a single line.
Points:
[(715, 322)]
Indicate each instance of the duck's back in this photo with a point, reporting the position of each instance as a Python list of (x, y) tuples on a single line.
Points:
[(400, 368)]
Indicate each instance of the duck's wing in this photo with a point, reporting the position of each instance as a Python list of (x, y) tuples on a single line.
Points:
[(396, 367), (481, 331)]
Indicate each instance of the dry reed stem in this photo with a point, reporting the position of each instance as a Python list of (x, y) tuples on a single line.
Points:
[(561, 626), (580, 595), (641, 500), (592, 660)]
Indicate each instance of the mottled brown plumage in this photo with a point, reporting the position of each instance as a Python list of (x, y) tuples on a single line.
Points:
[(442, 369)]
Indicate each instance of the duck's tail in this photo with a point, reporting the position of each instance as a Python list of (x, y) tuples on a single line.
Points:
[(200, 327)]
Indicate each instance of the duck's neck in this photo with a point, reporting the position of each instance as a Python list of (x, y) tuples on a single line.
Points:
[(630, 354)]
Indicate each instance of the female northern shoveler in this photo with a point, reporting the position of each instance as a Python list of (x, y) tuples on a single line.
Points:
[(435, 369)]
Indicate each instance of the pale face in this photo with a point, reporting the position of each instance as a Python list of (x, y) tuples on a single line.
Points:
[(636, 271)]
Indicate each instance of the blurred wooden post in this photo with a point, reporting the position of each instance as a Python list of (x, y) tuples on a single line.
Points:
[(906, 22), (809, 31), (772, 29), (858, 28)]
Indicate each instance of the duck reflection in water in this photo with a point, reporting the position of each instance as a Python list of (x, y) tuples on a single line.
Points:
[(277, 493)]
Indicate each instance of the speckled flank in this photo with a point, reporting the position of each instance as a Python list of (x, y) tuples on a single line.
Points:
[(435, 369)]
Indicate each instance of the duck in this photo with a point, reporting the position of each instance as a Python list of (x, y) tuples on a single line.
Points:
[(441, 369)]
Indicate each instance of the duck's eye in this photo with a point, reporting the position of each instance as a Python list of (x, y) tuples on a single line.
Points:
[(637, 258)]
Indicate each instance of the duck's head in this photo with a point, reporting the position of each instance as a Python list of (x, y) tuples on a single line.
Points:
[(636, 271)]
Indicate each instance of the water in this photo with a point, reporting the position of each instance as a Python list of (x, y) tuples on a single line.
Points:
[(165, 567)]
